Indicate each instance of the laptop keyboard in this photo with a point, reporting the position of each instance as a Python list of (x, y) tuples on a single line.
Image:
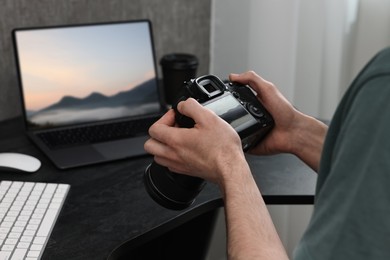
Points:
[(96, 133), (28, 213)]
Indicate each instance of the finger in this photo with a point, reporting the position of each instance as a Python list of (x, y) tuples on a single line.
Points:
[(167, 121), (172, 166), (250, 78), (168, 118), (246, 77), (156, 148), (170, 136), (191, 108)]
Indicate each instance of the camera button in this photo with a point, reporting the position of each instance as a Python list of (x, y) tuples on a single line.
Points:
[(255, 110), (236, 95)]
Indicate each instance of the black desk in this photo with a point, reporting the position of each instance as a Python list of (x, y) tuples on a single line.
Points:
[(107, 203)]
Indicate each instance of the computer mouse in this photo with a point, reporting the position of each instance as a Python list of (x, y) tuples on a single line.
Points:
[(19, 162)]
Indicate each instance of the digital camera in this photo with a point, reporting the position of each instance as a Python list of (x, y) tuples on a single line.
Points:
[(235, 103)]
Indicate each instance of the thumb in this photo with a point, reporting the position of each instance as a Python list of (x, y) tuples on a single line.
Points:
[(191, 108)]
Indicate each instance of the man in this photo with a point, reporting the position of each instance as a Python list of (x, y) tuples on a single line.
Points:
[(350, 219)]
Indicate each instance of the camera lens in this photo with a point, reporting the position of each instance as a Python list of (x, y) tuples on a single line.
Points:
[(169, 189)]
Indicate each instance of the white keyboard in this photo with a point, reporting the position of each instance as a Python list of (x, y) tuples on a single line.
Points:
[(28, 212)]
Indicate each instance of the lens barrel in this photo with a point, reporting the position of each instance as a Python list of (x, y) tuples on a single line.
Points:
[(171, 190)]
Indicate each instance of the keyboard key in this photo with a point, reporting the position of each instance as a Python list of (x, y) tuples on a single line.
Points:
[(19, 254), (4, 255), (28, 212), (96, 133)]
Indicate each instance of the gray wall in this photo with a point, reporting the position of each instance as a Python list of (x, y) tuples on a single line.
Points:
[(178, 25)]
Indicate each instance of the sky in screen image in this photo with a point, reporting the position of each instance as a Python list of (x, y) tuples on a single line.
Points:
[(77, 61)]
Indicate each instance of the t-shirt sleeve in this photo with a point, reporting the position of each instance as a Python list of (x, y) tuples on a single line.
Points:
[(352, 206)]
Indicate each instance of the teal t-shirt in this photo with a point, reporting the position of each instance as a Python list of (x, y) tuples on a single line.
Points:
[(351, 218)]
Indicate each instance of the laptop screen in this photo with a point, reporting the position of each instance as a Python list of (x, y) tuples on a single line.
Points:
[(87, 73)]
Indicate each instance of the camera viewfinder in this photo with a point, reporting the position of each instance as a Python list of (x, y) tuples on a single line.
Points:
[(209, 88)]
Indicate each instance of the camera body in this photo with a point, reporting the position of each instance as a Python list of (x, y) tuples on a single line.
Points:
[(238, 105), (235, 103)]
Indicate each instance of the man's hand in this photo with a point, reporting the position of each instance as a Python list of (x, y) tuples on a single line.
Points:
[(199, 151)]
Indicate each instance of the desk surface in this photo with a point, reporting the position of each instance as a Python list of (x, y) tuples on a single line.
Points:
[(107, 203)]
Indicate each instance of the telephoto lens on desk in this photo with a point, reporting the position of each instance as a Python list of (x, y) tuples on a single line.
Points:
[(237, 105)]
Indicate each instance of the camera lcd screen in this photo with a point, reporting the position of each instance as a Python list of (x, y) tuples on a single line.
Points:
[(229, 109)]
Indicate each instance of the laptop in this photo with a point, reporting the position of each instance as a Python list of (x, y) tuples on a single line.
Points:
[(89, 92)]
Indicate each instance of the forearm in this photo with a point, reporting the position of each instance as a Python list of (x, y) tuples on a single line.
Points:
[(251, 232), (308, 140)]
